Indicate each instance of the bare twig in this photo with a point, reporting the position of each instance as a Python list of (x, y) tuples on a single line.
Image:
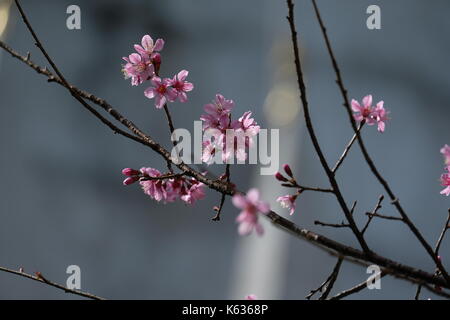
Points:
[(347, 149), (374, 211), (353, 290), (331, 225), (40, 278), (328, 284)]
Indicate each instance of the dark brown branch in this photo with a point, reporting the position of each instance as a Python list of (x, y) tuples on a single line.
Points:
[(374, 211), (40, 278), (222, 198), (371, 164), (312, 134)]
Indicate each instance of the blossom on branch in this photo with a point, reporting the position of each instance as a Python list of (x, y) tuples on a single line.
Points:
[(446, 153), (166, 188), (162, 92), (288, 202), (138, 68), (180, 85), (445, 180), (250, 205), (370, 115)]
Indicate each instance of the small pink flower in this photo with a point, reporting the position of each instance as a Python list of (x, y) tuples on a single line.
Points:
[(138, 68), (381, 116), (217, 113), (180, 85), (445, 180), (250, 206), (251, 297), (364, 112), (194, 193), (147, 48), (288, 202), (162, 92), (153, 188), (369, 114), (446, 152)]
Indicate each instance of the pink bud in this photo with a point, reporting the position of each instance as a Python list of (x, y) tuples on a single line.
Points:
[(156, 60), (288, 170), (130, 172), (130, 180), (280, 177)]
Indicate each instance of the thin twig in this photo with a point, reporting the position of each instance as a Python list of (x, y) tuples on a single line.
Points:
[(374, 211), (381, 216), (328, 284), (347, 149), (40, 278), (353, 290), (331, 225)]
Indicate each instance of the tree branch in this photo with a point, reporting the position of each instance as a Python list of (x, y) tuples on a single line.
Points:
[(40, 278)]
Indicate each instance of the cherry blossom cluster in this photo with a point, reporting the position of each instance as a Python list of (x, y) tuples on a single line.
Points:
[(369, 114), (144, 65), (217, 122), (166, 188), (445, 177)]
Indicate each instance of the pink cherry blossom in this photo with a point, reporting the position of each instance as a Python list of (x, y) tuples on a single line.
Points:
[(446, 152), (217, 113), (138, 68), (288, 202), (188, 190), (369, 114), (445, 180), (162, 92), (154, 188), (180, 85), (381, 116), (364, 112), (194, 193), (148, 48), (250, 205)]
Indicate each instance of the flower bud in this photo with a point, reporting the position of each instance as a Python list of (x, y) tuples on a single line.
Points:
[(130, 172), (280, 177), (288, 170), (130, 180)]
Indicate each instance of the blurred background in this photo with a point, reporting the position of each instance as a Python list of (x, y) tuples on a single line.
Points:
[(62, 199)]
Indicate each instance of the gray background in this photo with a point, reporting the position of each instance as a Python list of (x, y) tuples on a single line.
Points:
[(62, 201)]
